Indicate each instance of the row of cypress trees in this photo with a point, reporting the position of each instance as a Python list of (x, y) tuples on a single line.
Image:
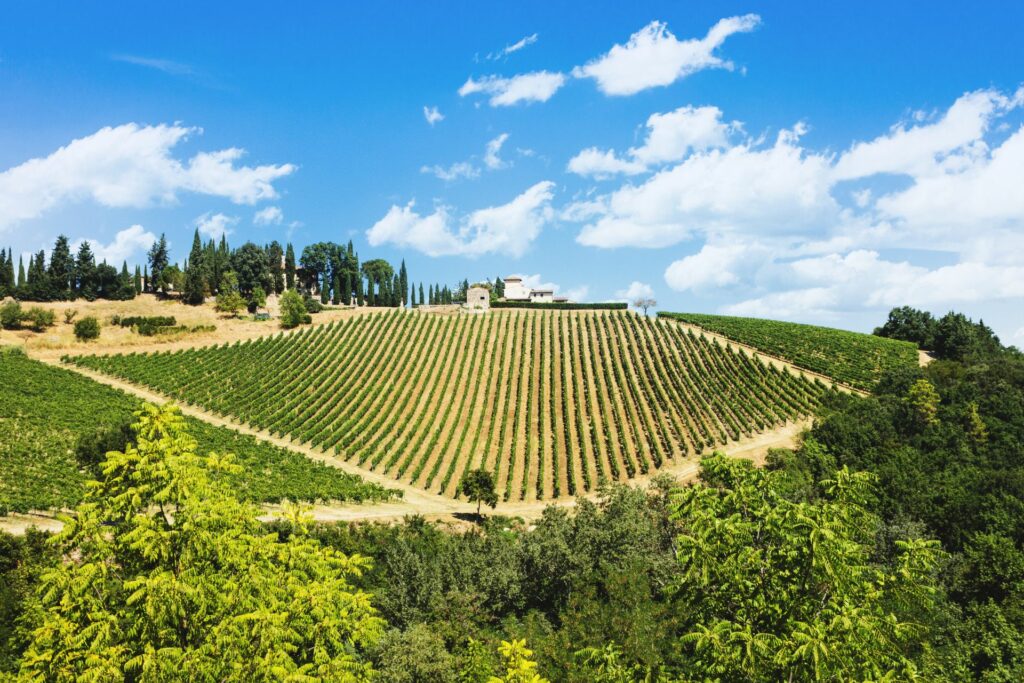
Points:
[(66, 277)]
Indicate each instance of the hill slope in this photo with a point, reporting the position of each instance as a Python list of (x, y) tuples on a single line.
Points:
[(552, 401), (45, 410), (852, 358)]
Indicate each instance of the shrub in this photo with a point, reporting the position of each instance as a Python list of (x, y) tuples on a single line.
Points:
[(10, 315), (312, 305), (293, 310), (69, 315), (38, 319), (87, 329)]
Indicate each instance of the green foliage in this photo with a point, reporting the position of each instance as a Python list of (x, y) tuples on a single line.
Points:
[(787, 590), (87, 329), (69, 315), (38, 319), (924, 402), (293, 310), (518, 664), (172, 574), (858, 360), (478, 487), (47, 413), (10, 315), (229, 300)]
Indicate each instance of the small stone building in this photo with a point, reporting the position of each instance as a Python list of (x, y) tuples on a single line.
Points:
[(478, 298)]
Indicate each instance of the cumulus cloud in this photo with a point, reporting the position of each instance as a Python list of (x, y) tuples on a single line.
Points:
[(747, 187), (505, 229), (215, 225), (130, 166), (491, 158), (126, 244), (538, 86), (432, 115), (654, 57), (272, 215), (636, 290), (670, 137)]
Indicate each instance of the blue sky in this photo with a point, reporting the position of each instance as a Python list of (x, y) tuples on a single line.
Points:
[(783, 159)]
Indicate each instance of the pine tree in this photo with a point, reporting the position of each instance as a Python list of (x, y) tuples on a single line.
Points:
[(289, 267)]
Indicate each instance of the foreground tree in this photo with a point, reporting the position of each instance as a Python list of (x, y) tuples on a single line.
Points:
[(293, 310), (478, 487), (787, 591), (164, 572), (229, 300)]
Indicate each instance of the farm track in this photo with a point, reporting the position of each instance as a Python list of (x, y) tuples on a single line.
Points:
[(552, 402)]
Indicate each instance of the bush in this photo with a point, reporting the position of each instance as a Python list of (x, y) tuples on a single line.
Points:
[(153, 320), (293, 310), (38, 319), (10, 315), (69, 315), (87, 329), (312, 305)]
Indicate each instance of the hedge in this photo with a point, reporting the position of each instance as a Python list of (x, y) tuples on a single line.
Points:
[(553, 306)]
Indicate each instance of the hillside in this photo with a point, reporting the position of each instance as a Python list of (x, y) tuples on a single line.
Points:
[(44, 411), (553, 402), (852, 358)]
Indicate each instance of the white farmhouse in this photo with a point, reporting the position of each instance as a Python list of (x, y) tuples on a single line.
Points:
[(515, 290)]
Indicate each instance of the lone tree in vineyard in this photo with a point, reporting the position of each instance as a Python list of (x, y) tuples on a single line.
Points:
[(478, 486), (644, 303)]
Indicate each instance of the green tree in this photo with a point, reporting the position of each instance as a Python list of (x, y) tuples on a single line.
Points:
[(85, 272), (196, 276), (478, 486), (250, 265), (275, 259), (173, 574), (325, 288), (138, 281), (159, 257), (519, 665), (62, 269), (782, 590), (229, 299), (289, 267), (337, 289), (87, 329), (377, 270), (924, 402), (403, 279), (21, 272), (293, 310), (422, 300)]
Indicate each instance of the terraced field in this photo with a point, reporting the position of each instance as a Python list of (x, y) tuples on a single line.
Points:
[(856, 359), (553, 402)]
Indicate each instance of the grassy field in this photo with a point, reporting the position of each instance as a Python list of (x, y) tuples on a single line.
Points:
[(852, 358), (45, 410), (552, 402)]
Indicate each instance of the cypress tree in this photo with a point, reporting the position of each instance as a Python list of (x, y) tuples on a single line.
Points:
[(21, 272), (430, 291), (62, 269), (422, 301), (159, 259), (138, 281), (360, 299), (85, 272), (3, 274), (337, 289), (325, 289), (289, 267), (403, 279), (371, 299), (145, 278), (412, 295), (276, 257), (194, 291)]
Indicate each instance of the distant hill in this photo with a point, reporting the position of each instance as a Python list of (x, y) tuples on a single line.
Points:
[(852, 358), (551, 401)]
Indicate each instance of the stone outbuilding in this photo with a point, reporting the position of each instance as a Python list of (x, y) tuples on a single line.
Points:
[(478, 298)]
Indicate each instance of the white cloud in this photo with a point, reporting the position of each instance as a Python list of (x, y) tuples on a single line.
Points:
[(460, 169), (712, 266), (215, 225), (130, 166), (748, 187), (506, 229), (636, 290), (167, 66), (514, 47), (126, 244), (432, 115), (538, 86), (670, 137), (922, 150), (491, 158), (654, 57), (272, 215)]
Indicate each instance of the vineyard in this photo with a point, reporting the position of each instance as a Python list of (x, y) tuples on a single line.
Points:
[(45, 410), (553, 402), (852, 358)]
